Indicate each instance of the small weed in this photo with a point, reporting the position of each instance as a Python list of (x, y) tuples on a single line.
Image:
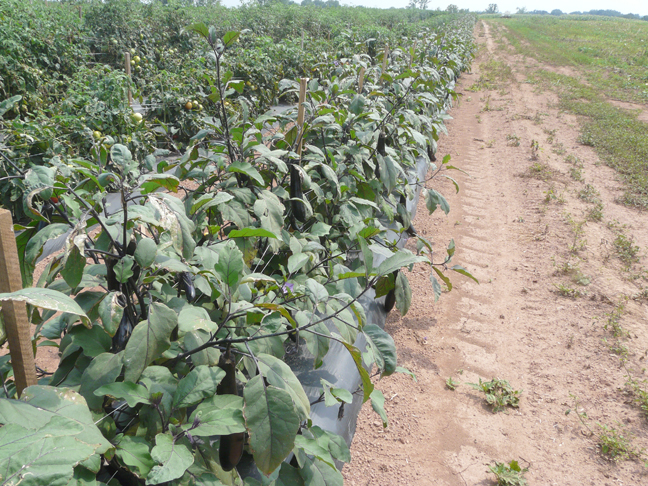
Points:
[(579, 242), (478, 118), (589, 194), (626, 250), (565, 290), (540, 171), (640, 393), (619, 349), (595, 213), (487, 106), (615, 444), (559, 149), (641, 296), (499, 393), (512, 140), (550, 135), (572, 159), (535, 149), (451, 384), (552, 195), (576, 173), (613, 323), (567, 268), (582, 279), (490, 143), (494, 75), (509, 474), (537, 119)]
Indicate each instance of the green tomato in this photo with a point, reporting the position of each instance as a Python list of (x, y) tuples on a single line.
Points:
[(137, 117), (137, 59), (96, 134)]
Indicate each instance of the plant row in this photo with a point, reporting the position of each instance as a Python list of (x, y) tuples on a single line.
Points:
[(184, 282)]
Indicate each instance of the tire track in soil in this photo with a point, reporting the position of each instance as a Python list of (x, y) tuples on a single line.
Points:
[(512, 325)]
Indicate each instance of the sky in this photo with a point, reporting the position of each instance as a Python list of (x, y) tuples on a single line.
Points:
[(624, 6)]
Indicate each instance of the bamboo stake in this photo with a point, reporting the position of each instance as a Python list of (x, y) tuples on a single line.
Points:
[(302, 41), (385, 56), (361, 79), (412, 51), (127, 65), (15, 313), (303, 85)]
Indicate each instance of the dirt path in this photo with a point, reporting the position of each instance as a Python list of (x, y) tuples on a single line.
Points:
[(521, 226)]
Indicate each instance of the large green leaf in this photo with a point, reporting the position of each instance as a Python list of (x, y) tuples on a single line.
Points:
[(378, 404), (133, 393), (173, 458), (48, 299), (288, 476), (318, 473), (318, 344), (434, 199), (280, 375), (230, 37), (104, 369), (56, 433), (403, 293), (8, 104), (398, 260), (34, 248), (200, 383), (270, 211), (384, 348), (44, 456), (72, 272), (111, 312), (296, 262), (219, 415), (230, 265), (367, 386), (145, 252), (121, 157), (134, 452), (149, 340), (247, 169), (199, 28), (248, 232), (271, 421)]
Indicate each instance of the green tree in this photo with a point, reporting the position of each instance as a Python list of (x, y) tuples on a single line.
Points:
[(492, 8)]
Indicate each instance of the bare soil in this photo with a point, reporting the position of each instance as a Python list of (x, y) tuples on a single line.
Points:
[(515, 229)]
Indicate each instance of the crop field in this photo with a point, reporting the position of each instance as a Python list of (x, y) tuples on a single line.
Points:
[(607, 62), (220, 269), (175, 253)]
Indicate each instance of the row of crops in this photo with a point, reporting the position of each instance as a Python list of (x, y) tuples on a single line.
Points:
[(204, 239)]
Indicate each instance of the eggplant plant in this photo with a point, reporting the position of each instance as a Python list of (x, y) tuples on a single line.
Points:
[(183, 282)]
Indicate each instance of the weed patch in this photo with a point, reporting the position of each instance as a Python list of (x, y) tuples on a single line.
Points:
[(499, 393), (510, 474)]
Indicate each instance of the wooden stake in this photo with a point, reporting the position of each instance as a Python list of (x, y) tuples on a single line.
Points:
[(80, 13), (302, 42), (127, 65), (15, 313), (385, 56), (361, 79), (412, 51), (303, 85)]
